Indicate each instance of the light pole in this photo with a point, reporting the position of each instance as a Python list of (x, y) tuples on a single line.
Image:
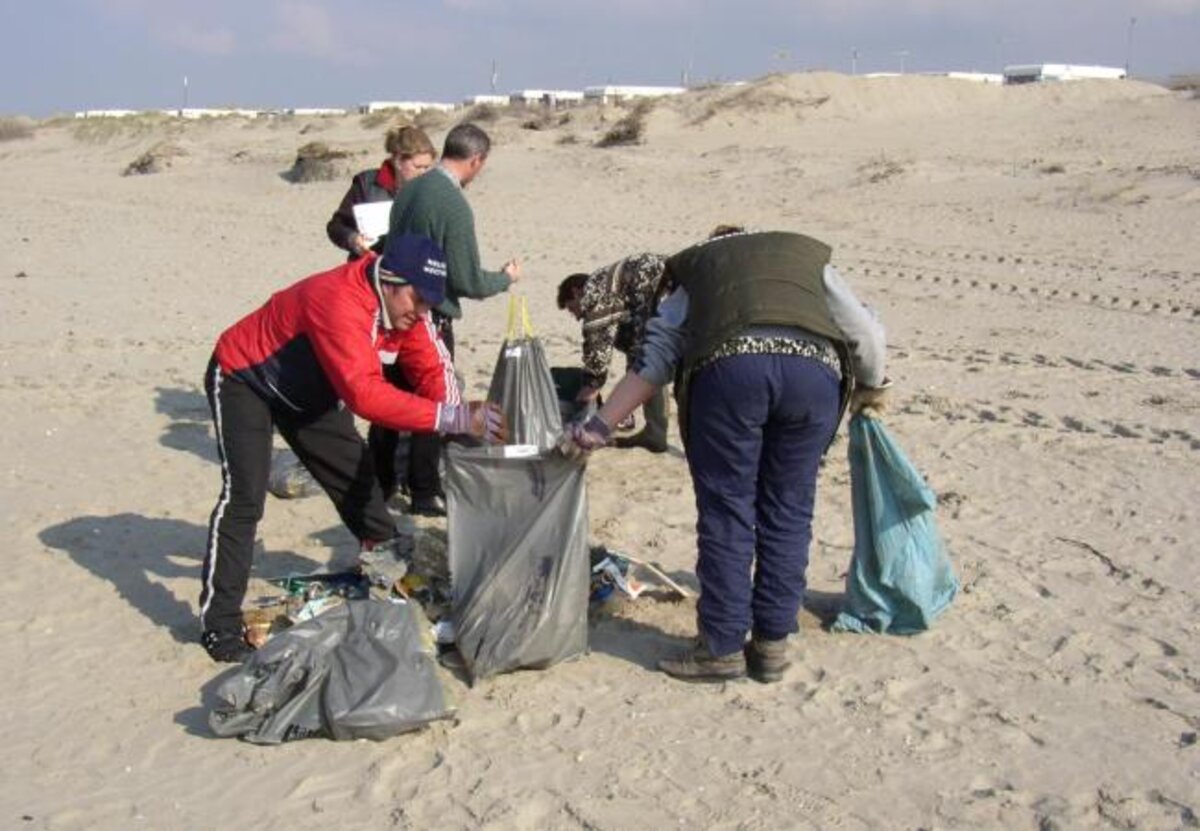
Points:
[(903, 53), (1129, 45), (854, 61)]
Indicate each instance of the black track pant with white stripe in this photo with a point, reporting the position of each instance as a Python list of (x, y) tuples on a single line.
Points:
[(330, 448)]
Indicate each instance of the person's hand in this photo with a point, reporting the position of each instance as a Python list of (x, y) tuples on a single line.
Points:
[(488, 422), (361, 244), (870, 402), (587, 395), (481, 419), (579, 439), (513, 269)]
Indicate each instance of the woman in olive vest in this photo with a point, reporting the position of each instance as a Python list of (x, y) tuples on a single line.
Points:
[(765, 344)]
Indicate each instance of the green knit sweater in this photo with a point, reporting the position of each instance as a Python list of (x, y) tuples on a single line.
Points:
[(435, 206)]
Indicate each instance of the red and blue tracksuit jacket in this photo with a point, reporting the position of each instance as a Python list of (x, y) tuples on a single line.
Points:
[(322, 341)]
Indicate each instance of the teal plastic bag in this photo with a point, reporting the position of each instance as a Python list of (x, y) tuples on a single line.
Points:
[(900, 578)]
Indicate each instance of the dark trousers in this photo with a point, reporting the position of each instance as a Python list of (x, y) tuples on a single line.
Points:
[(330, 448), (418, 467), (757, 427)]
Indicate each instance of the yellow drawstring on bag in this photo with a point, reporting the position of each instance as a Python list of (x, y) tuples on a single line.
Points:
[(518, 315)]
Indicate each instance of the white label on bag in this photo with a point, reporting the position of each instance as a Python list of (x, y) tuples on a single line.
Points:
[(512, 352), (520, 451)]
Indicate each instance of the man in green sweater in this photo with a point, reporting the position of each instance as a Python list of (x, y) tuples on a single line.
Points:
[(434, 206)]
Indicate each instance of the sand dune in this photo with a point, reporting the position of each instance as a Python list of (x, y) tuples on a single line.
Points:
[(1033, 252)]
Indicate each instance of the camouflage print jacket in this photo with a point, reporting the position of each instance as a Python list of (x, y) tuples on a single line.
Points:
[(617, 301)]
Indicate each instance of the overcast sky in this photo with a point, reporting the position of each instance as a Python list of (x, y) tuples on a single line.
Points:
[(64, 55)]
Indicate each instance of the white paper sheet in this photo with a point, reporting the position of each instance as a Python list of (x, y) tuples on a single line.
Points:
[(372, 218)]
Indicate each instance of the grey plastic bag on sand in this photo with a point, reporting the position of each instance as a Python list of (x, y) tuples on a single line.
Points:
[(518, 557), (289, 479), (522, 384), (355, 672)]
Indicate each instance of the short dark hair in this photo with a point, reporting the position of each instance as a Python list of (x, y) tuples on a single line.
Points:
[(726, 230), (465, 141), (570, 287)]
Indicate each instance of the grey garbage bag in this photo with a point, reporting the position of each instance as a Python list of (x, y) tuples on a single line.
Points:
[(522, 385), (518, 557), (289, 479), (356, 671)]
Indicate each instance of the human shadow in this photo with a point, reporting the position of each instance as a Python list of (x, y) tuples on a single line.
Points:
[(624, 629), (189, 429), (824, 606), (136, 553)]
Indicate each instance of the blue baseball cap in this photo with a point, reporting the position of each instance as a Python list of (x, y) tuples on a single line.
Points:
[(415, 260)]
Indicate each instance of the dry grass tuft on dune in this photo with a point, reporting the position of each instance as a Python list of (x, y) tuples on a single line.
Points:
[(880, 169), (383, 119), (1189, 82), (155, 160), (12, 129), (772, 94), (630, 129), (317, 162), (485, 113), (104, 130), (432, 119), (545, 120)]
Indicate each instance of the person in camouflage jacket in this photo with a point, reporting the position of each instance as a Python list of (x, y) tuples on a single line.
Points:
[(614, 303)]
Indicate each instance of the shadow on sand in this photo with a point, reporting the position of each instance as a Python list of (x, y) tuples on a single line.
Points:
[(190, 428), (632, 633), (138, 554)]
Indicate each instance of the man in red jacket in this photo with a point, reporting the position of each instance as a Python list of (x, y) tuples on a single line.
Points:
[(306, 363)]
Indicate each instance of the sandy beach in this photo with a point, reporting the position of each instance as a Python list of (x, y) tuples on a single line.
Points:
[(1033, 253)]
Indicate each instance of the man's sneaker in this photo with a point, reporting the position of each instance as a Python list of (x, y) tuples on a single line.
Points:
[(767, 660), (428, 506), (226, 646), (696, 663)]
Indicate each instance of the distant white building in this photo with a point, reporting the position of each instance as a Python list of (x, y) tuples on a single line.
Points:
[(615, 95), (106, 113), (546, 97), (211, 112), (489, 100), (190, 113), (977, 77), (1033, 73), (320, 111), (404, 106)]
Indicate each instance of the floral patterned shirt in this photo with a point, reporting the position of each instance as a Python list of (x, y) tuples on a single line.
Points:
[(616, 304)]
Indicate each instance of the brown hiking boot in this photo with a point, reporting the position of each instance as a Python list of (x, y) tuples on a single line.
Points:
[(696, 663), (766, 660)]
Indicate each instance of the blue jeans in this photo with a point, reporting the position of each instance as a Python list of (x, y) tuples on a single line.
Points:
[(757, 427)]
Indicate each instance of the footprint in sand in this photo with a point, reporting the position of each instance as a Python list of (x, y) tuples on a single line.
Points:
[(1075, 425)]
